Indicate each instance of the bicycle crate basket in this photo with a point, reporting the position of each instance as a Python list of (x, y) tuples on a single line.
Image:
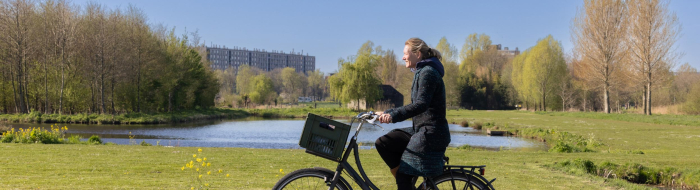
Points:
[(324, 137)]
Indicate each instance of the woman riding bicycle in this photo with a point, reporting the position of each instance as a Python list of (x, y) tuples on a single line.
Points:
[(418, 150)]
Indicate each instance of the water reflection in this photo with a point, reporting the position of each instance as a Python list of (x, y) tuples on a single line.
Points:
[(261, 133)]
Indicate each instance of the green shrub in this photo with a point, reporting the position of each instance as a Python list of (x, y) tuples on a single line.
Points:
[(466, 146), (562, 147), (94, 139), (692, 103), (464, 123), (144, 143), (477, 125), (73, 139), (564, 142), (633, 172), (7, 138), (34, 135)]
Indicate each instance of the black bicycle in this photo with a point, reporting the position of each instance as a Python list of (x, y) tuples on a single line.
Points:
[(326, 138)]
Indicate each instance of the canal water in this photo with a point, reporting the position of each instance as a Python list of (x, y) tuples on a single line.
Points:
[(263, 133)]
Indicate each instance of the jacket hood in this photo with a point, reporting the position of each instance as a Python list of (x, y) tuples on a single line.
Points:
[(434, 62)]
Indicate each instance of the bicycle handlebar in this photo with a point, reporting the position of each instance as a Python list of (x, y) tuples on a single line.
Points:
[(368, 117)]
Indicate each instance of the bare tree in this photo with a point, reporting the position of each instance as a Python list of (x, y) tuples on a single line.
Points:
[(599, 34), (17, 16), (65, 41), (567, 94), (57, 57), (653, 32), (138, 39)]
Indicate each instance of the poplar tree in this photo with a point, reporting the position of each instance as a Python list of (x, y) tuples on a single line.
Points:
[(599, 34), (449, 62), (653, 32)]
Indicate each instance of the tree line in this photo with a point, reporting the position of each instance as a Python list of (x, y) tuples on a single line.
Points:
[(623, 58), (623, 48), (58, 57), (248, 86)]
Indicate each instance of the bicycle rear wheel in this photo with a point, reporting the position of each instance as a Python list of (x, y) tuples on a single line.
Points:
[(445, 182), (310, 178)]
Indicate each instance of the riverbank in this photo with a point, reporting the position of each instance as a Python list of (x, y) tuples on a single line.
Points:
[(177, 117), (653, 151), (129, 118), (629, 148), (336, 113)]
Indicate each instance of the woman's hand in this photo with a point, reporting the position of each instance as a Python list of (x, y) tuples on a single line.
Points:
[(384, 118)]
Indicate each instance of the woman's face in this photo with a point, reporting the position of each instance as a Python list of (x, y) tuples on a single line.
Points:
[(409, 57)]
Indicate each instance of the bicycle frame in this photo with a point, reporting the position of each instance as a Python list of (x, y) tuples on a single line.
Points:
[(360, 177)]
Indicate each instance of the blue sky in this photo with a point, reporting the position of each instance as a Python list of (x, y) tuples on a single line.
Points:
[(333, 29)]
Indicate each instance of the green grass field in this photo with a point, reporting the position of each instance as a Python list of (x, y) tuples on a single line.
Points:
[(66, 166)]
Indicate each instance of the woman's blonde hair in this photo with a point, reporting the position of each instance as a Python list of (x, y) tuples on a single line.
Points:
[(418, 45)]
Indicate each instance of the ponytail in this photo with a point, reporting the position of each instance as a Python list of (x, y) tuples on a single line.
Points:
[(418, 45)]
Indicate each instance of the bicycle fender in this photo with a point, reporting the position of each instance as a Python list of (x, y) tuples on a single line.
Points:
[(330, 174), (472, 174)]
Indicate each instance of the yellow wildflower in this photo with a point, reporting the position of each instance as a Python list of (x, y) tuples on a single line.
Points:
[(197, 169), (220, 170), (200, 176), (183, 168), (199, 160), (209, 164), (203, 164), (192, 188), (209, 173), (199, 150), (281, 171), (206, 184), (205, 158), (194, 156), (227, 175)]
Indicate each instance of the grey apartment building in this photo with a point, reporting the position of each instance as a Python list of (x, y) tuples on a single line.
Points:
[(224, 58), (505, 51)]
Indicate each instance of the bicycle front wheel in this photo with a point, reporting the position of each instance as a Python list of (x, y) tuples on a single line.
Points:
[(310, 178), (459, 181)]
